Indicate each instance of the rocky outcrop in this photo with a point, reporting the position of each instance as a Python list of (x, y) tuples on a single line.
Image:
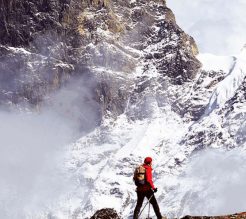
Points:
[(111, 214), (106, 213), (236, 216)]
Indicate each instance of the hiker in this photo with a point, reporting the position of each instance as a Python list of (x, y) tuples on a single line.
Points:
[(145, 187)]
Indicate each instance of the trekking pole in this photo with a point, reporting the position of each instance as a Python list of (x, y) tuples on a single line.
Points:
[(149, 210), (146, 204)]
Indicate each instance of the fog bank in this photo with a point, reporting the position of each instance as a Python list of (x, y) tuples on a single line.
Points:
[(214, 183), (33, 149)]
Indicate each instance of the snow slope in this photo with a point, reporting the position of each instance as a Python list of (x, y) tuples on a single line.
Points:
[(190, 178), (227, 88), (105, 159)]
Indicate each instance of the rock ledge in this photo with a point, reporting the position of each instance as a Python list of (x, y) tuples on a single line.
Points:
[(109, 213)]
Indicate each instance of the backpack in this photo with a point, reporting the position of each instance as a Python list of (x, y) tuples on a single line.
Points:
[(139, 175)]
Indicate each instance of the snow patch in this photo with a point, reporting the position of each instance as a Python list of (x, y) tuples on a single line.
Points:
[(227, 88), (212, 62)]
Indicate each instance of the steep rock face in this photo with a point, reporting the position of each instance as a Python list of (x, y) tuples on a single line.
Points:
[(23, 21), (44, 63), (27, 77), (106, 37), (154, 41)]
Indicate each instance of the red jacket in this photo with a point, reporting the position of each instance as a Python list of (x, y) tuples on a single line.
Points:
[(149, 182)]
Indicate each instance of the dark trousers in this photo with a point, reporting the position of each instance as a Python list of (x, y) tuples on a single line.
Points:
[(141, 196)]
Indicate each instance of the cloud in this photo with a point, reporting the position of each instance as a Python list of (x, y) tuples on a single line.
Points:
[(214, 183), (33, 149), (29, 150), (217, 27)]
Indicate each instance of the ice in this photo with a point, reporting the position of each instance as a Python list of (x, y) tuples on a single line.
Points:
[(227, 88)]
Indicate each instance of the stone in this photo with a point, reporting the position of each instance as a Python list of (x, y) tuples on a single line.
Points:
[(106, 213)]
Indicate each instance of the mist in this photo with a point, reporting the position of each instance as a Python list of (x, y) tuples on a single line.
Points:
[(214, 183), (218, 27), (29, 154), (33, 148)]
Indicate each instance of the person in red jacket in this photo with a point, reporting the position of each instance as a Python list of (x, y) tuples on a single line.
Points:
[(147, 190)]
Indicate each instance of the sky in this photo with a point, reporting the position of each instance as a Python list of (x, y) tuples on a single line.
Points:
[(218, 26)]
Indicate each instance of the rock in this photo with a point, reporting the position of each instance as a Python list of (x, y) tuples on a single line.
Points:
[(109, 213), (106, 37), (24, 78), (106, 213), (233, 216)]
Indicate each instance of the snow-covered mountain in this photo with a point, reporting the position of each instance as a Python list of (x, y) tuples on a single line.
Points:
[(134, 84), (108, 155)]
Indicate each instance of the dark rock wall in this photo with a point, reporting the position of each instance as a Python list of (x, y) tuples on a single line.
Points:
[(22, 21), (106, 38), (46, 61)]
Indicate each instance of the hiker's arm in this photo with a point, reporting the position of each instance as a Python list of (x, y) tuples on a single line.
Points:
[(149, 178)]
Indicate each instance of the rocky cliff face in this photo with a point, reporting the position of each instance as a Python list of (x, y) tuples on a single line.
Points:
[(34, 50), (101, 38)]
